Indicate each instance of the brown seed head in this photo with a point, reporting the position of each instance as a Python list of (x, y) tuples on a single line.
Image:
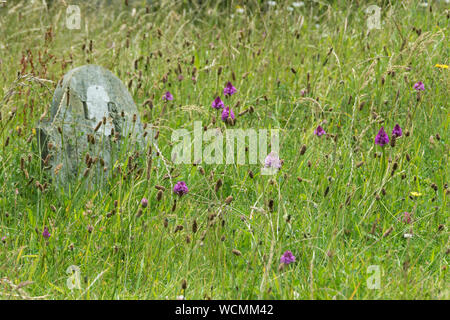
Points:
[(228, 199), (236, 252)]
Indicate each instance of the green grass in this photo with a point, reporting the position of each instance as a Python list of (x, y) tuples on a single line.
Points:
[(335, 221)]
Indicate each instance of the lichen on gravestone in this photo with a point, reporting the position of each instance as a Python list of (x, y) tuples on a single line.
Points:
[(93, 122)]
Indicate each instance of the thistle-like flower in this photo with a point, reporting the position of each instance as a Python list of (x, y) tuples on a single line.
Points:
[(227, 112), (144, 202), (180, 188), (229, 89), (46, 234), (397, 132), (168, 96), (287, 257), (217, 103), (419, 86), (319, 131), (272, 161), (382, 138)]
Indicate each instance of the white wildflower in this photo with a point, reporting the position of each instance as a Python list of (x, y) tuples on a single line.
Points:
[(298, 4)]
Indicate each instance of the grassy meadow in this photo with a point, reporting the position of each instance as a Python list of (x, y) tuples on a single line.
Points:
[(337, 203)]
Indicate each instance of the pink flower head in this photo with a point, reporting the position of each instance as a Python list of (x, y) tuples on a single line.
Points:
[(144, 202), (46, 234), (229, 89), (217, 103), (168, 96), (180, 188), (319, 131), (419, 86), (287, 257), (397, 131), (382, 138), (272, 161), (407, 217), (227, 112)]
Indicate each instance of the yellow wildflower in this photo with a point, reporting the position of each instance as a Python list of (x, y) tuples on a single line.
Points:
[(442, 66)]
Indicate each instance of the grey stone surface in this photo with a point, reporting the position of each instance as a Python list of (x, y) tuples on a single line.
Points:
[(84, 97)]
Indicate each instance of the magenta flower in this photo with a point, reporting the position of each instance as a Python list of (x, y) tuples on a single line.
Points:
[(144, 202), (46, 234), (397, 132), (4, 239), (419, 86), (229, 89), (407, 217), (382, 138), (168, 96), (227, 112), (217, 103), (180, 188), (319, 131), (272, 161), (287, 257)]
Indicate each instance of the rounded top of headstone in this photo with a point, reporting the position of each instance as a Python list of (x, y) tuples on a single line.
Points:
[(86, 79), (89, 94)]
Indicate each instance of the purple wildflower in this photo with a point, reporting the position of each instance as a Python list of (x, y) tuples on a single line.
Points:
[(272, 161), (180, 188), (218, 103), (4, 239), (397, 132), (229, 89), (287, 257), (168, 96), (382, 138), (227, 112), (319, 131), (46, 234), (144, 202), (419, 86), (407, 217)]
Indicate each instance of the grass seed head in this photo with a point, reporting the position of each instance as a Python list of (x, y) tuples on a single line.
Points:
[(228, 200), (236, 252)]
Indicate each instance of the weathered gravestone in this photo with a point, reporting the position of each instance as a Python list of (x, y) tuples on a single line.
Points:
[(93, 121)]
